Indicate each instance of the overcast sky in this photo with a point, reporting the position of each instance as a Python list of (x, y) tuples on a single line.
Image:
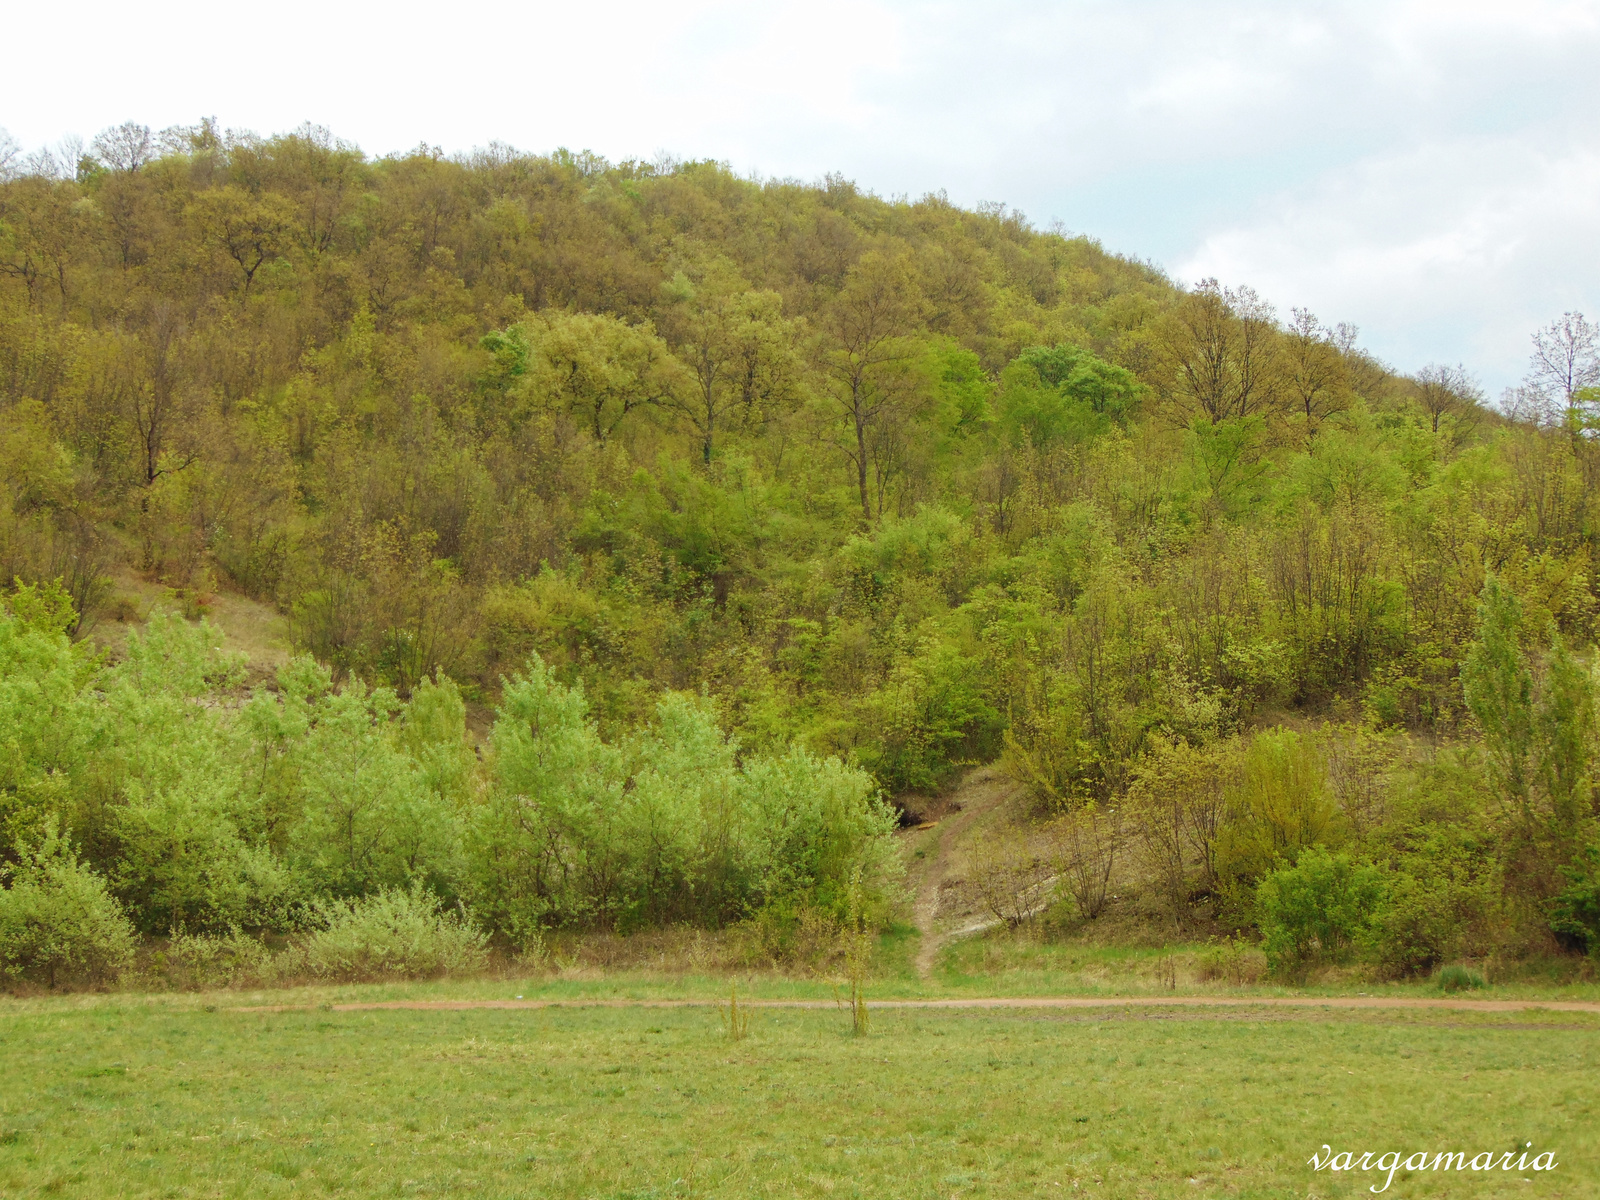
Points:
[(1429, 171)]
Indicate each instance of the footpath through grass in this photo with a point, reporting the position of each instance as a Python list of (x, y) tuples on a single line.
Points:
[(181, 1096)]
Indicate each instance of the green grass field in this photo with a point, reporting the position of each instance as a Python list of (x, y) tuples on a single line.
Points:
[(116, 1096)]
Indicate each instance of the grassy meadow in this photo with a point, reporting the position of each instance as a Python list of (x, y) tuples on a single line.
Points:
[(178, 1096)]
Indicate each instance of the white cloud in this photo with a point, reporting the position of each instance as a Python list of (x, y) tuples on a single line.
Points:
[(1449, 251)]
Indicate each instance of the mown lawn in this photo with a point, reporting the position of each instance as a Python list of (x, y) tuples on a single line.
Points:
[(125, 1096)]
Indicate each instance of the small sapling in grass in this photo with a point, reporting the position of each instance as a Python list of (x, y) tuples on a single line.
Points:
[(735, 1020)]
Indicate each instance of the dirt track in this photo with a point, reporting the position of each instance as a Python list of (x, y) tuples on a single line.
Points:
[(1376, 1002), (980, 793)]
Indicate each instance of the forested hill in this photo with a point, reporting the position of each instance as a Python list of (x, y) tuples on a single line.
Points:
[(889, 479)]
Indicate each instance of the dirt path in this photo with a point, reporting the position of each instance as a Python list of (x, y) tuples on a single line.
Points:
[(980, 793), (1375, 1002)]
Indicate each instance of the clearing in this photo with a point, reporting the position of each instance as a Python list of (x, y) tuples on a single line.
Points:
[(125, 1096)]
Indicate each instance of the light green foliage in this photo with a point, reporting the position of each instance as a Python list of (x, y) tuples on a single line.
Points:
[(208, 814), (367, 817), (58, 922), (1281, 805), (1051, 395), (207, 960), (596, 369), (663, 825), (1318, 909), (162, 798), (1564, 729), (395, 933), (901, 484), (1446, 890), (1499, 689), (46, 723)]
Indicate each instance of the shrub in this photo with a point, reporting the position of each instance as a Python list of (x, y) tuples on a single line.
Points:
[(1005, 875), (1440, 902), (58, 923), (201, 960), (1230, 960), (1317, 909), (1283, 803), (1456, 978), (393, 934), (1575, 911)]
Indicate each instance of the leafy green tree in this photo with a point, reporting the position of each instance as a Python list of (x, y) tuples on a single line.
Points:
[(1281, 807), (1498, 686), (1320, 908), (867, 354), (598, 369), (1564, 731), (736, 346), (1054, 394), (58, 921)]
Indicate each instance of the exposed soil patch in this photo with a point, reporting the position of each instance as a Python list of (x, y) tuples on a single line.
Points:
[(980, 793), (943, 911)]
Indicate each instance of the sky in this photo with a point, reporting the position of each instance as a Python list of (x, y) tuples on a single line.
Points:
[(1427, 171)]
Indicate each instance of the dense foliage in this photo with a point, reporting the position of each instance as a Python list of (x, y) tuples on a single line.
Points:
[(884, 480), (208, 807)]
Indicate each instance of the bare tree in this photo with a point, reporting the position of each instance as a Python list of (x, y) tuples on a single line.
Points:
[(1005, 875), (1220, 346), (1566, 357), (1532, 405), (1086, 841), (1564, 364), (1316, 374), (10, 156), (1448, 391), (125, 147)]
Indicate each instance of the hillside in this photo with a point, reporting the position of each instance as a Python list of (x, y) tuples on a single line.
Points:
[(866, 491)]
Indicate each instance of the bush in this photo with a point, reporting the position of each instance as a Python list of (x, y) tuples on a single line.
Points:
[(1282, 805), (1575, 911), (1230, 961), (58, 923), (201, 960), (1317, 909), (393, 934), (1456, 978), (1440, 903)]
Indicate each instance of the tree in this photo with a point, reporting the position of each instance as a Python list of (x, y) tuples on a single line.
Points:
[(736, 345), (1564, 726), (1498, 687), (1445, 391), (43, 232), (1566, 357), (10, 156), (599, 368), (1315, 369), (866, 355), (1317, 909), (125, 148), (250, 230), (1219, 351), (157, 400), (1050, 394)]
